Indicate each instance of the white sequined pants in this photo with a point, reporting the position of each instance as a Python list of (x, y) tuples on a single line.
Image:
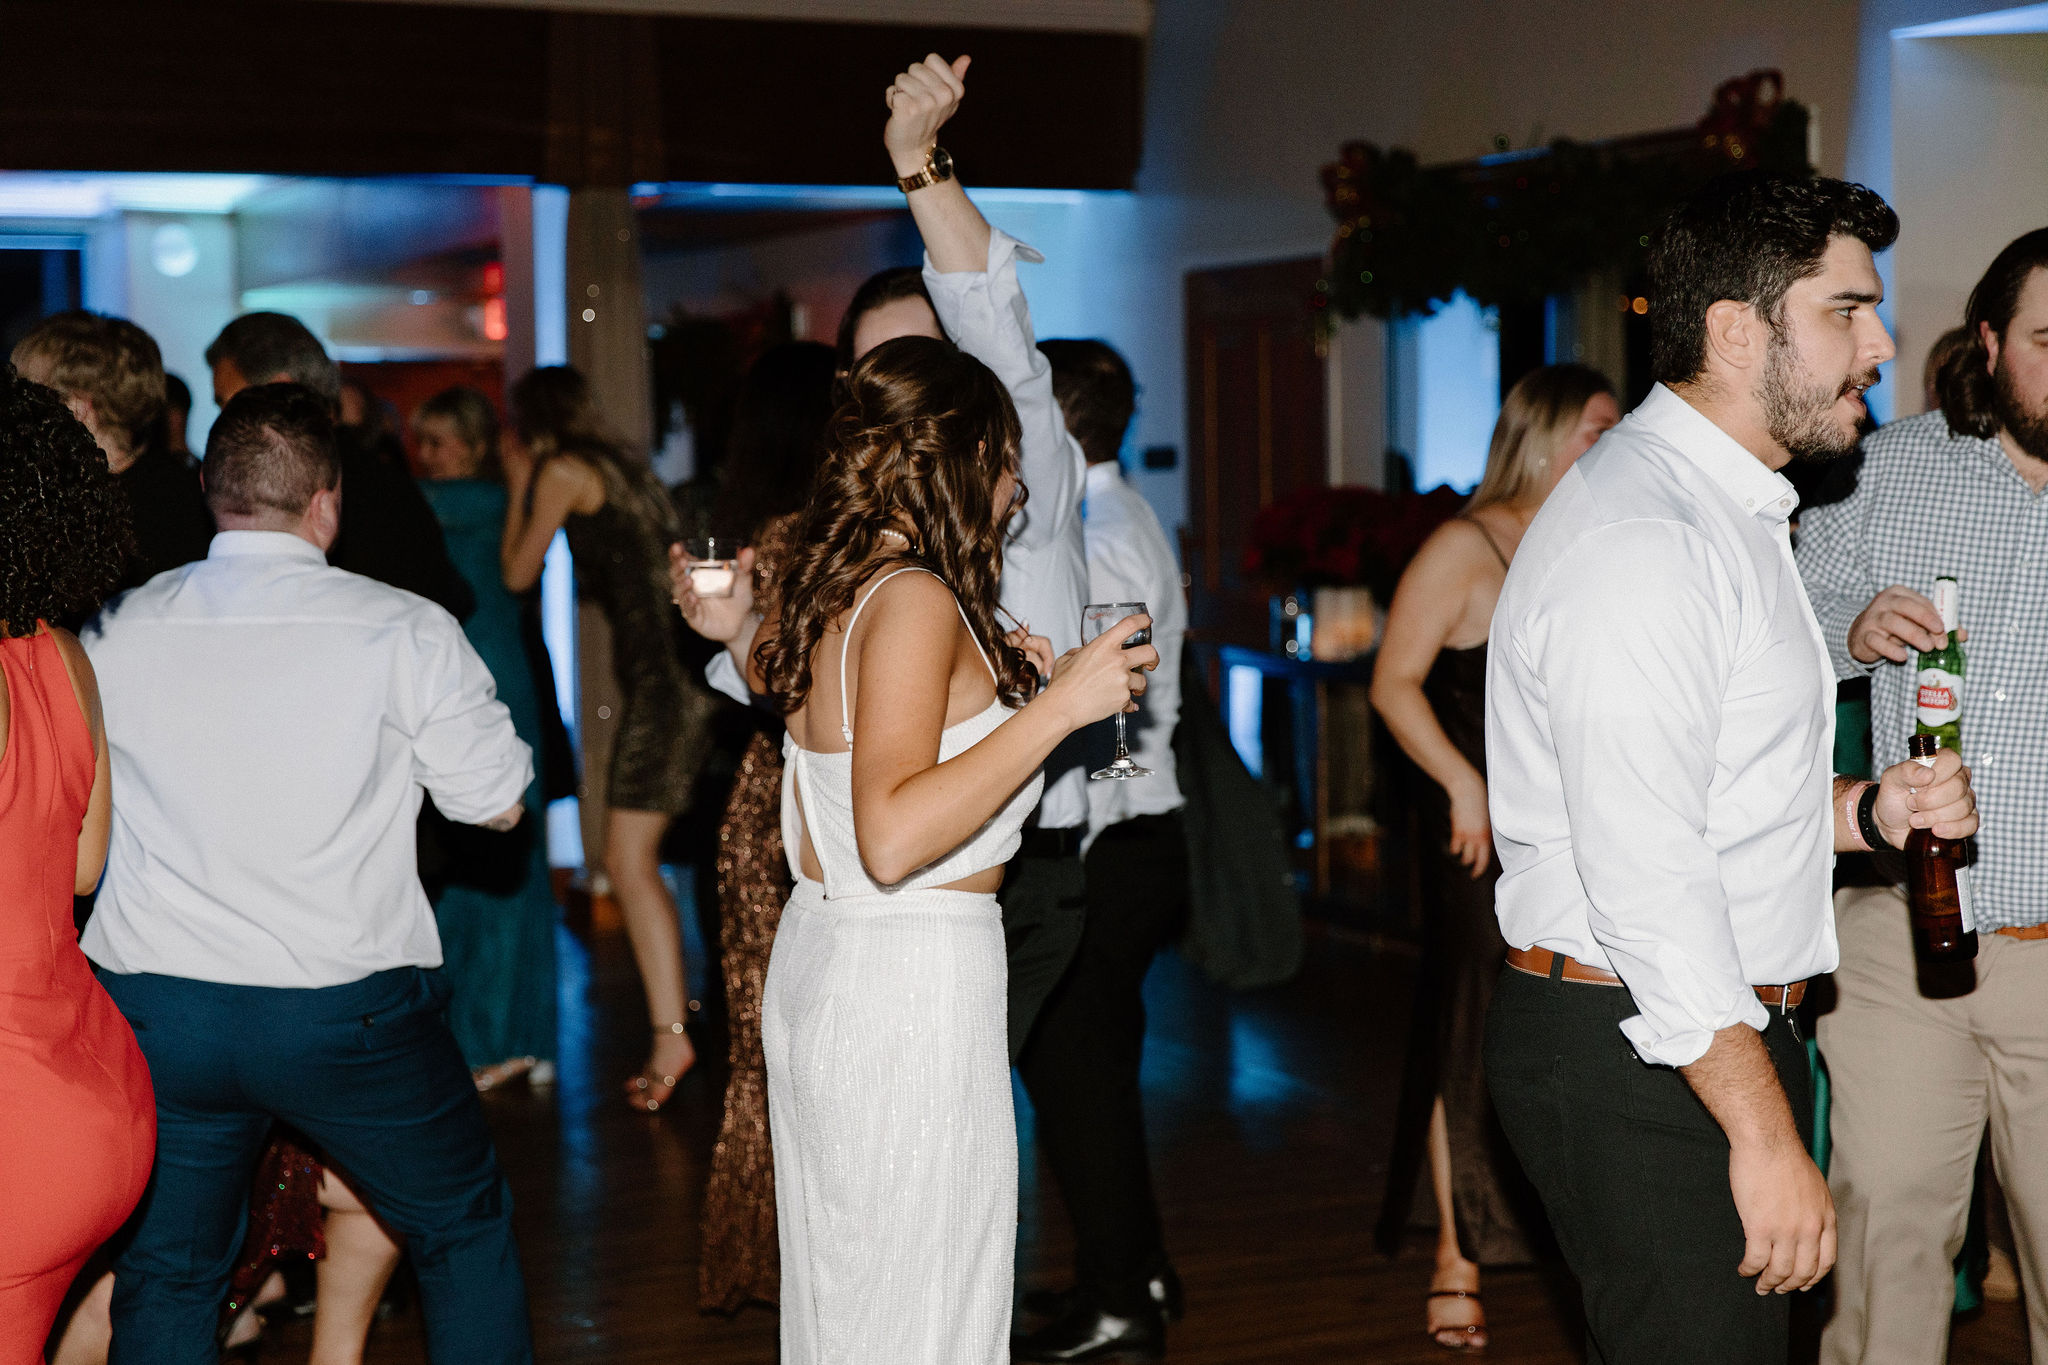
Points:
[(895, 1141)]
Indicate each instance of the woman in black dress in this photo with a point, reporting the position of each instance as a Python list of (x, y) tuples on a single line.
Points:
[(566, 470), (1429, 685)]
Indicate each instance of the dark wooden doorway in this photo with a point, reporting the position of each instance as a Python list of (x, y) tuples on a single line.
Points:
[(1256, 415)]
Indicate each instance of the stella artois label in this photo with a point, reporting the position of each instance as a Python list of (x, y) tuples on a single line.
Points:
[(1940, 701), (1941, 696)]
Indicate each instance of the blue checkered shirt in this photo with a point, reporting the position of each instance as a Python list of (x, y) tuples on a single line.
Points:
[(1929, 504)]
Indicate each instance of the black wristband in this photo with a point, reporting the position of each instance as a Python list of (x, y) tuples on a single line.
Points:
[(1866, 819)]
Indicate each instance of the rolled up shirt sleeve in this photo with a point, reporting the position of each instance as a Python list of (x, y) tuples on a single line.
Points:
[(986, 315), (1634, 645), (465, 751)]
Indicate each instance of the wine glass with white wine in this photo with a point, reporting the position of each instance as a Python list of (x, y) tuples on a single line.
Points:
[(1096, 618)]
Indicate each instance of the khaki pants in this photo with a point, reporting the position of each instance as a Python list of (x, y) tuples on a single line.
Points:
[(1913, 1081)]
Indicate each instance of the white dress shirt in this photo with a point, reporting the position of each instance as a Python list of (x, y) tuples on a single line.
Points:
[(1129, 560), (272, 722), (1660, 732), (1045, 568)]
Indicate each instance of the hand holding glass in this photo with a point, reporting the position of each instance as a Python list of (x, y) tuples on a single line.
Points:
[(1096, 618), (712, 567)]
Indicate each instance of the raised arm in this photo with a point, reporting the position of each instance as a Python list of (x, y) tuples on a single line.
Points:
[(971, 273), (536, 506), (1428, 602), (956, 236), (909, 808)]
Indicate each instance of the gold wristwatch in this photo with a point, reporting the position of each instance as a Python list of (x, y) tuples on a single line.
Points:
[(937, 166)]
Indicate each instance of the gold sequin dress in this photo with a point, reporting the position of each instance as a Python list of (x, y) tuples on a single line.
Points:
[(740, 1262)]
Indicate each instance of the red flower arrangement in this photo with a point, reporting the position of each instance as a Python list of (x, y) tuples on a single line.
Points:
[(1344, 537)]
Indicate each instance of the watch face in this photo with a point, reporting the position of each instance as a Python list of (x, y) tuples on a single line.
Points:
[(941, 163)]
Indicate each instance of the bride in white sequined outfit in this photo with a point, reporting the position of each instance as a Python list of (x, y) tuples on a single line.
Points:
[(883, 1022)]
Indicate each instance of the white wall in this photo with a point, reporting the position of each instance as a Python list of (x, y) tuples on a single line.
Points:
[(1246, 100), (183, 312), (1970, 141)]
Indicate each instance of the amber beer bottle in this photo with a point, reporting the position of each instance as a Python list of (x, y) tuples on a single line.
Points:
[(1938, 885)]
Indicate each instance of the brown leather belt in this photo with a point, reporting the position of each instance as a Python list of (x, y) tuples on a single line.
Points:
[(1539, 961), (2027, 932)]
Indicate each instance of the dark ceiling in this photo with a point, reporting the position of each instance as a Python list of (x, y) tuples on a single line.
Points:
[(324, 87)]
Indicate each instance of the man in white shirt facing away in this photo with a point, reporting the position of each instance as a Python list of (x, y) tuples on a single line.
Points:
[(1081, 1064), (1660, 729), (973, 299), (272, 722)]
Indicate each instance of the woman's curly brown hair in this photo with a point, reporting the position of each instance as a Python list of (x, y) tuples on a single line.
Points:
[(64, 533), (926, 431)]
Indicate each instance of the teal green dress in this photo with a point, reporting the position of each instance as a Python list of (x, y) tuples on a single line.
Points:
[(495, 903)]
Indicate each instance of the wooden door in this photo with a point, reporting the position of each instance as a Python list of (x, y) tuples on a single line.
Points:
[(1256, 429)]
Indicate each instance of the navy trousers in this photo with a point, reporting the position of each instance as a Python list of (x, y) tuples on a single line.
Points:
[(371, 1073)]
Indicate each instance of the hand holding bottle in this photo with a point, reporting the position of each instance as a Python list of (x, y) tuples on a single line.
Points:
[(1939, 798)]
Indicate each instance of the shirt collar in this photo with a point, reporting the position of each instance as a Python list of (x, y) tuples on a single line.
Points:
[(1755, 487), (282, 544), (1100, 476)]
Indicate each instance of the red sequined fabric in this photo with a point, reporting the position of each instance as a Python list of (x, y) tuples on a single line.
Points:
[(284, 1217)]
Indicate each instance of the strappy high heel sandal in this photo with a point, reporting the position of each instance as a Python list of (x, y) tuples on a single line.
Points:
[(648, 1091), (1465, 1345)]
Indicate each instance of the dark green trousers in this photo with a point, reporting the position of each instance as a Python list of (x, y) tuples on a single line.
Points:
[(1633, 1172), (1044, 900)]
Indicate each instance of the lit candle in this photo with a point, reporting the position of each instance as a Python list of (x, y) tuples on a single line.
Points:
[(713, 578)]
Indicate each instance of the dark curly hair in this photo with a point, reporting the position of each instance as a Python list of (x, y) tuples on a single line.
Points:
[(64, 534), (927, 431), (1747, 237)]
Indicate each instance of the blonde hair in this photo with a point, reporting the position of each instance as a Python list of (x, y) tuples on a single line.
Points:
[(106, 359), (1539, 412)]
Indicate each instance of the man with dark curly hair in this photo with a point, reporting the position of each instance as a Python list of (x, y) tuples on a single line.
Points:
[(1659, 725), (111, 375), (274, 722)]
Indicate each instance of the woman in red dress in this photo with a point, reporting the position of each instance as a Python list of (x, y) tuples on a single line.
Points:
[(78, 1125)]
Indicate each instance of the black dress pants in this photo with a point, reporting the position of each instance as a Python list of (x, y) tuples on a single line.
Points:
[(1043, 908), (1081, 1065), (1633, 1172)]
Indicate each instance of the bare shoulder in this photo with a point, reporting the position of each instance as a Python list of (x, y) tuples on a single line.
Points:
[(1454, 550), (902, 598), (576, 480)]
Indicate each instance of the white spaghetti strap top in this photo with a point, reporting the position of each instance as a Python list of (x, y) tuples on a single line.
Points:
[(821, 797)]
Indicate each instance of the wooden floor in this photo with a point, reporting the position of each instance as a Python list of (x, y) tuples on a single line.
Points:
[(1270, 1121)]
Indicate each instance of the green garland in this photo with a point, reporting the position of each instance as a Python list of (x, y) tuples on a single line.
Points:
[(1519, 227)]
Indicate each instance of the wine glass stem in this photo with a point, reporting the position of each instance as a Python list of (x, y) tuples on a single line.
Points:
[(1121, 752)]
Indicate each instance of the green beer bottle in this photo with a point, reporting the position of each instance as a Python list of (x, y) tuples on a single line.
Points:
[(1939, 701)]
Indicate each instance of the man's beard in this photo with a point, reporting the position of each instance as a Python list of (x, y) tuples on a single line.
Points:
[(2027, 426), (1799, 414)]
